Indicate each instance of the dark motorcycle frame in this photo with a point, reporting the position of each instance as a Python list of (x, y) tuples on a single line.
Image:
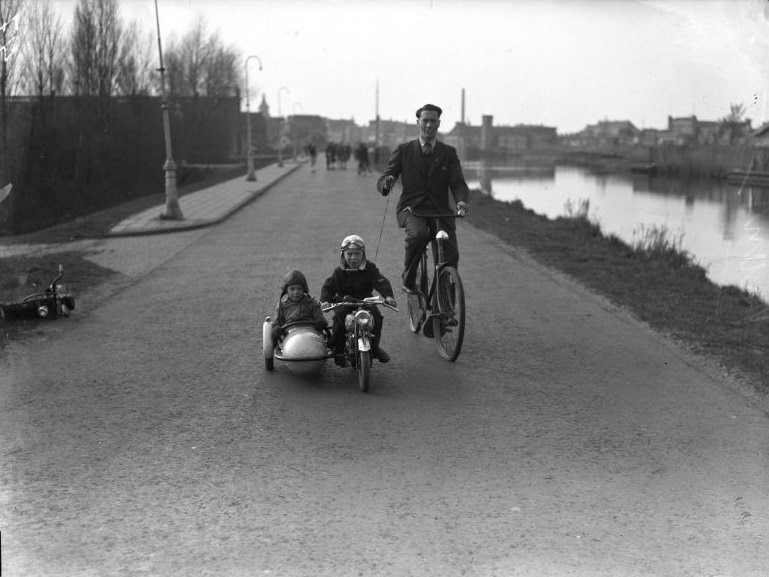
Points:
[(52, 303), (358, 328)]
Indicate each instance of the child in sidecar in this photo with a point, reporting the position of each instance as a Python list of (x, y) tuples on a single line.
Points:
[(299, 333), (356, 277), (296, 304)]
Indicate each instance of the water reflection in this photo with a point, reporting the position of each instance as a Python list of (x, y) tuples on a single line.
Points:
[(725, 227), (485, 172)]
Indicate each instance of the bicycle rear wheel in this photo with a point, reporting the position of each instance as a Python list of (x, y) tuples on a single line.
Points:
[(449, 316)]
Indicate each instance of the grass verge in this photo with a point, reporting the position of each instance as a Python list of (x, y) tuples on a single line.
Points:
[(24, 274), (653, 279)]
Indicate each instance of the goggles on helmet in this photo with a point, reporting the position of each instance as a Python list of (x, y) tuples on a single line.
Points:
[(353, 241)]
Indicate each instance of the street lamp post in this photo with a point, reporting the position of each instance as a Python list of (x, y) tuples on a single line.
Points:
[(280, 126), (172, 210), (251, 175), (294, 144)]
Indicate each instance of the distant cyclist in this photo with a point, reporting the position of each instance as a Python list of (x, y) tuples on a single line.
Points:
[(429, 170)]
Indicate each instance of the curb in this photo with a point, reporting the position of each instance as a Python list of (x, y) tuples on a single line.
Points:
[(202, 223)]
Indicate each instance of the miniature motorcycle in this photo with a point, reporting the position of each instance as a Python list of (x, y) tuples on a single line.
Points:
[(54, 302), (359, 324)]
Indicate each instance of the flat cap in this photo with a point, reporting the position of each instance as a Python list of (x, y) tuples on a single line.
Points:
[(432, 107)]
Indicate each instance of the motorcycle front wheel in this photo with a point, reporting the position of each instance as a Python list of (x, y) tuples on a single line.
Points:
[(364, 370)]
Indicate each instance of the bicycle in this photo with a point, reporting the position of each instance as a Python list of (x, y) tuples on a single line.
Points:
[(438, 305)]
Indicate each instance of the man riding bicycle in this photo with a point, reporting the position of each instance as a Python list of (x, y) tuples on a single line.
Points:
[(430, 171)]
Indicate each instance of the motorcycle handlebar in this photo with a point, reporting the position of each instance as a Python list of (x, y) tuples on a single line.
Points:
[(348, 301)]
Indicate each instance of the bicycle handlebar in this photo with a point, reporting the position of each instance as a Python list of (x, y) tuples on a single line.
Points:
[(446, 215)]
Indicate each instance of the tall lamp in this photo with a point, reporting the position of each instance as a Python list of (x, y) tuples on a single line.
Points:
[(172, 211), (280, 126), (251, 175)]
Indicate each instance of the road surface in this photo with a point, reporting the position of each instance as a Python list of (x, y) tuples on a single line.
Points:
[(144, 437)]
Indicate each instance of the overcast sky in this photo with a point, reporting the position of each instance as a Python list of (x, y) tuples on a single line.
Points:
[(562, 63)]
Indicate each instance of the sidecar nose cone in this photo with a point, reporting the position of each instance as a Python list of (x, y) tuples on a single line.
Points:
[(304, 343)]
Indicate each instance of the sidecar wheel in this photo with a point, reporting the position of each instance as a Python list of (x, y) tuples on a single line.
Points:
[(267, 346), (69, 302)]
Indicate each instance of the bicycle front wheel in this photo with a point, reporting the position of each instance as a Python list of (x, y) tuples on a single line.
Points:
[(449, 316)]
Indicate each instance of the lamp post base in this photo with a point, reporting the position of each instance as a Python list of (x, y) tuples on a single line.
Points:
[(251, 176), (172, 211)]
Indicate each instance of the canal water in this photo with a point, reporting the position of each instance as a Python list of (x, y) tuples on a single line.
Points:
[(724, 227)]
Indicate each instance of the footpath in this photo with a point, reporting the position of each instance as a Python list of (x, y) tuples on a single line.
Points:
[(205, 207), (137, 245), (200, 209)]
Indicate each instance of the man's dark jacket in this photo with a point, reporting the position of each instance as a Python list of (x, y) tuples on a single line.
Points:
[(426, 179)]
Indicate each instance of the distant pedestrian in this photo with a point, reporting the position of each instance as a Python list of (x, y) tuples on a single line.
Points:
[(313, 153), (361, 155), (345, 151), (330, 155)]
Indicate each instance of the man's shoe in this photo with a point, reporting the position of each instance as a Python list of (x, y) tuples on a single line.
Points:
[(382, 355)]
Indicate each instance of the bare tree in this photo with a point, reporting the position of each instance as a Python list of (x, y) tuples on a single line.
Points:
[(11, 39), (95, 47), (44, 54), (735, 125), (221, 70), (199, 65), (135, 65)]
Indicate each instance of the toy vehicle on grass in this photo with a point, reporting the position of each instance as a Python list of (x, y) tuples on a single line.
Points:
[(52, 303)]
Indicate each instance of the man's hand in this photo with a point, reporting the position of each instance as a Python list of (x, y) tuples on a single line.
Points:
[(387, 184), (461, 208), (391, 301)]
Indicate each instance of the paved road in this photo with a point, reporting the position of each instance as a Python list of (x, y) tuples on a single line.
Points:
[(145, 437)]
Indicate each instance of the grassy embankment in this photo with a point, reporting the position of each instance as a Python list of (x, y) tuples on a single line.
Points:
[(654, 279)]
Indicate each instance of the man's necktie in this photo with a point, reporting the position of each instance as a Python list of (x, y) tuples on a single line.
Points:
[(427, 148)]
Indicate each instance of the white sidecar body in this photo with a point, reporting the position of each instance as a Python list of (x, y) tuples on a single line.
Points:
[(303, 350)]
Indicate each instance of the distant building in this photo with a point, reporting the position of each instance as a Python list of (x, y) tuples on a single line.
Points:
[(465, 138), (690, 130), (525, 137), (610, 132), (342, 131), (468, 140), (709, 132), (302, 129), (392, 132), (684, 129)]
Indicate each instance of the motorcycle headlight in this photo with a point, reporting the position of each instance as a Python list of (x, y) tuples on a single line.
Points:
[(363, 318)]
